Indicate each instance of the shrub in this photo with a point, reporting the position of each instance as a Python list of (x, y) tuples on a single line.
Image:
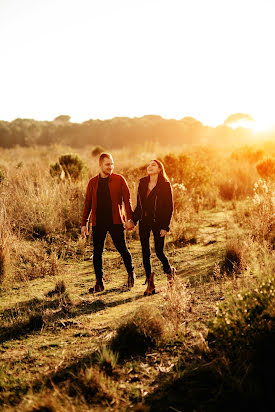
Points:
[(107, 360), (239, 325), (266, 169), (235, 259), (183, 169), (57, 171), (237, 183), (97, 150), (143, 330), (261, 220), (248, 154), (95, 387), (69, 166)]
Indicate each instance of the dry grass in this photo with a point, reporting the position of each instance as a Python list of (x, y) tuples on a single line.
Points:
[(4, 242), (50, 336), (144, 329), (176, 304)]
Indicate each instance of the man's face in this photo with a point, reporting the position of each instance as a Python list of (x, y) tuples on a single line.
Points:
[(106, 166)]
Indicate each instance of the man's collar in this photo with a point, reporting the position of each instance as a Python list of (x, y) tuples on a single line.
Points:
[(107, 177)]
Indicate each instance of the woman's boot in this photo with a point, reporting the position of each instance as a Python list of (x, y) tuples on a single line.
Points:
[(150, 286)]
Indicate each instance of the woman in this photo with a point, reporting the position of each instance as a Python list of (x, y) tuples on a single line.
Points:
[(154, 211)]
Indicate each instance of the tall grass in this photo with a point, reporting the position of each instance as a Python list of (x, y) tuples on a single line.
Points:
[(45, 212), (4, 242)]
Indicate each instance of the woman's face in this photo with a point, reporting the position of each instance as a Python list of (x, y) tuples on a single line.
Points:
[(153, 168)]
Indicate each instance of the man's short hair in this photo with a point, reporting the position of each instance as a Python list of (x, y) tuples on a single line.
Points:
[(103, 155)]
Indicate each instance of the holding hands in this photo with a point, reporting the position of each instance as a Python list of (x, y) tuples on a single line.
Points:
[(84, 231), (129, 225)]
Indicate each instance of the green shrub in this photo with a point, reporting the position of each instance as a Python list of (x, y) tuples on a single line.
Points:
[(107, 360), (56, 170), (69, 166), (183, 169), (239, 325)]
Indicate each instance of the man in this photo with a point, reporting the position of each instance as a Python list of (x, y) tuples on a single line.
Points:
[(103, 201)]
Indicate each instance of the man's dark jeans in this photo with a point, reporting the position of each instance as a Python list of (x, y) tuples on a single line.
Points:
[(145, 228), (118, 237)]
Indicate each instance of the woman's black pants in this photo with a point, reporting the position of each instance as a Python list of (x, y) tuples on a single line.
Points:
[(145, 228)]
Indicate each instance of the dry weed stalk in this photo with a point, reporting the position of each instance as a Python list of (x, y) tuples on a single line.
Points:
[(176, 300), (4, 242)]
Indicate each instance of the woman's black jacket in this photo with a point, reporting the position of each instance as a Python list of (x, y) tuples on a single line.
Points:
[(161, 205)]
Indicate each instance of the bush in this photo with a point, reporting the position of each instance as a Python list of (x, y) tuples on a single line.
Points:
[(248, 154), (97, 150), (238, 184), (261, 220), (107, 360), (239, 325), (57, 171), (235, 260), (143, 330), (266, 169), (94, 387), (183, 169), (69, 166)]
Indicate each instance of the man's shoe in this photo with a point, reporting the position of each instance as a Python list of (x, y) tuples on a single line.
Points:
[(150, 286), (171, 276), (131, 280), (98, 287)]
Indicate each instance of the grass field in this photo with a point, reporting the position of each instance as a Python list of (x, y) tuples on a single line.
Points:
[(62, 348)]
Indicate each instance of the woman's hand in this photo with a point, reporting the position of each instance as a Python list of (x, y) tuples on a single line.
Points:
[(163, 232)]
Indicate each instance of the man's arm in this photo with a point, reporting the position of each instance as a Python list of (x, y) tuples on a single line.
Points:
[(127, 203)]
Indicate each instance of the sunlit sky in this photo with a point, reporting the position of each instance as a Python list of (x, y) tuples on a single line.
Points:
[(107, 58)]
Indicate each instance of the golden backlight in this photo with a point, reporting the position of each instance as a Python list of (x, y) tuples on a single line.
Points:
[(258, 126)]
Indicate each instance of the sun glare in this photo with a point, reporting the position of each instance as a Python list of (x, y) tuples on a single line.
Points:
[(257, 126)]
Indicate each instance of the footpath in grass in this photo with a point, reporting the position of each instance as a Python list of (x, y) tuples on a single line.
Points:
[(50, 335)]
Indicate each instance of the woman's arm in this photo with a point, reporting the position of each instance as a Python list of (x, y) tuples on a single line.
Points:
[(168, 206)]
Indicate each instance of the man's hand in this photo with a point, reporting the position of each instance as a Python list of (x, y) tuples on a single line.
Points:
[(163, 232), (84, 231), (129, 225)]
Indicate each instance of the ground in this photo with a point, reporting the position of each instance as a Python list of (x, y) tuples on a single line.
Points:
[(41, 353)]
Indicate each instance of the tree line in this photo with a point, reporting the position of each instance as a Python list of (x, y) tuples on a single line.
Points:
[(117, 132)]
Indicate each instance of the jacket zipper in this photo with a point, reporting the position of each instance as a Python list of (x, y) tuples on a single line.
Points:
[(140, 206), (155, 208)]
